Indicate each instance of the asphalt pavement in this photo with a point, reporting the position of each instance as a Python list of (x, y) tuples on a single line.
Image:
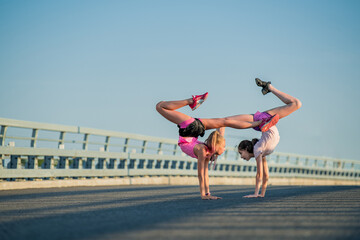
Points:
[(177, 212)]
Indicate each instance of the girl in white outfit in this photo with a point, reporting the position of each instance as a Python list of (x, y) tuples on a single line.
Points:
[(259, 149)]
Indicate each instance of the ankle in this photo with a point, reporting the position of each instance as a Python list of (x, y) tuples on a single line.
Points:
[(270, 87)]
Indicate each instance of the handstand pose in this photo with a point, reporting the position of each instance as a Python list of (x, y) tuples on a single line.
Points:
[(190, 128), (269, 139)]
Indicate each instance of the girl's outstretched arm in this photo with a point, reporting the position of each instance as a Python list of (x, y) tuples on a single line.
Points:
[(259, 176), (265, 177), (207, 187), (201, 177), (201, 156), (206, 176), (203, 172)]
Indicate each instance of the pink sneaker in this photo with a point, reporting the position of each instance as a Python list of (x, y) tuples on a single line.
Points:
[(267, 123), (198, 100)]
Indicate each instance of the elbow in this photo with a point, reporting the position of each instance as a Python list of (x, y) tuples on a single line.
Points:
[(298, 103)]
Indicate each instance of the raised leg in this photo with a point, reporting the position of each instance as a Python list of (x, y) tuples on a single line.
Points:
[(239, 122), (167, 110), (292, 103)]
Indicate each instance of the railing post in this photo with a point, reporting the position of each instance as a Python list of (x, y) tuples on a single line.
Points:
[(48, 162), (175, 148), (106, 163), (132, 163), (159, 148), (33, 138), (36, 162), (112, 163), (32, 162), (126, 144), (144, 146), (3, 135), (278, 159), (2, 142), (81, 163), (126, 165), (63, 163), (101, 163), (106, 146), (85, 143), (15, 162), (77, 162), (174, 164), (338, 164), (226, 154), (61, 138), (90, 163)]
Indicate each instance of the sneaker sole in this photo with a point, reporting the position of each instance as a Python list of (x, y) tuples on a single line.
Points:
[(269, 124), (199, 103)]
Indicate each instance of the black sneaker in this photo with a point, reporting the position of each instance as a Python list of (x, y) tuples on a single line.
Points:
[(264, 85)]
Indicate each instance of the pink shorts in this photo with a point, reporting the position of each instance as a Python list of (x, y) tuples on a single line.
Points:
[(259, 116), (187, 144)]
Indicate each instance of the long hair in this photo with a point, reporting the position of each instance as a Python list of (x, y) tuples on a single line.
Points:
[(248, 145), (214, 139)]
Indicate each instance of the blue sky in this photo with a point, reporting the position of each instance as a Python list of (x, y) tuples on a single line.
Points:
[(105, 64)]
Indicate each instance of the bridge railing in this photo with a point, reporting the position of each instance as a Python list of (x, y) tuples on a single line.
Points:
[(31, 150)]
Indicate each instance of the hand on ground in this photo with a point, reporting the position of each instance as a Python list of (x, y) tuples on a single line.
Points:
[(251, 196)]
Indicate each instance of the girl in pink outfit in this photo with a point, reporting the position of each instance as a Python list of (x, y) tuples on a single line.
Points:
[(190, 128), (259, 149)]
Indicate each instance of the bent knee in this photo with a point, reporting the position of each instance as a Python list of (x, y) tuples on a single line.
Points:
[(159, 106), (298, 103)]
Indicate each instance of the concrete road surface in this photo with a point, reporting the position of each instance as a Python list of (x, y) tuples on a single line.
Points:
[(177, 212)]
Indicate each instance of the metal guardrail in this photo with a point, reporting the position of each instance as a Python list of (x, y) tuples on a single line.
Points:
[(31, 150)]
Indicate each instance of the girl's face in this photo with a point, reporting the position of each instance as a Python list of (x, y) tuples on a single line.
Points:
[(245, 155)]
